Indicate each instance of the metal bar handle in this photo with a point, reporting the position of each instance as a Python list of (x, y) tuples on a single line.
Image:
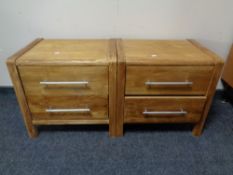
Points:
[(78, 110), (64, 82), (181, 112), (181, 83)]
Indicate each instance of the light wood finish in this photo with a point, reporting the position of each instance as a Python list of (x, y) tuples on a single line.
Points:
[(70, 122), (19, 91), (198, 128), (112, 87), (227, 75), (67, 52), (121, 73), (169, 61), (164, 52), (135, 106), (116, 71), (97, 76), (98, 107), (137, 76), (92, 61)]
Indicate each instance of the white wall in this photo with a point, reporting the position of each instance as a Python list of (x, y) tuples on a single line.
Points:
[(21, 21)]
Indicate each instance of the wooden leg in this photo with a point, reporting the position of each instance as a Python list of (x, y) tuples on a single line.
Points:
[(19, 91), (33, 131), (197, 129), (121, 74)]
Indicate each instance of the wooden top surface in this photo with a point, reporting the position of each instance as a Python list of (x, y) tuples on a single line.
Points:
[(164, 52), (51, 51)]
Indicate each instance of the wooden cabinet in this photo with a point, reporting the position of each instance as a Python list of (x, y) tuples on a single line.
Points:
[(66, 82), (165, 81), (114, 82)]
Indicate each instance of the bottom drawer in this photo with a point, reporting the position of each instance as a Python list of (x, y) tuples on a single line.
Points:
[(68, 107), (163, 109)]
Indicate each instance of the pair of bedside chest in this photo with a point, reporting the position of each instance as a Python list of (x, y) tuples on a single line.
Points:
[(113, 82)]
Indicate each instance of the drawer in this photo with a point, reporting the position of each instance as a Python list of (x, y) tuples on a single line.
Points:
[(68, 107), (168, 80), (64, 80), (163, 109)]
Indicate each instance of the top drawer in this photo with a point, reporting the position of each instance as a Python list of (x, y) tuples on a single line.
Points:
[(64, 80), (168, 80)]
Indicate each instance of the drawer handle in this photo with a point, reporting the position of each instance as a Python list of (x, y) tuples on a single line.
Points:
[(181, 112), (182, 83), (64, 82), (78, 110)]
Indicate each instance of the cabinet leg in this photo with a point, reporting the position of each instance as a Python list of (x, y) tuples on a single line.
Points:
[(116, 131), (197, 129), (120, 130), (32, 131)]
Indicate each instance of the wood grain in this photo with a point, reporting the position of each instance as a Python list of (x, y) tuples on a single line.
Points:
[(98, 107), (97, 76), (70, 122), (19, 91), (198, 128), (227, 75), (121, 76), (135, 106), (164, 52), (112, 80), (137, 76), (67, 52)]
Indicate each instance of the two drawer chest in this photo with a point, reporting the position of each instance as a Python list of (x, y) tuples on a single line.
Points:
[(61, 82), (114, 82)]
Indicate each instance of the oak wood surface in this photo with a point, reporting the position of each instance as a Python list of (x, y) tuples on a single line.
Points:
[(70, 122), (19, 91), (136, 77), (135, 106), (164, 52), (112, 80), (97, 76), (227, 75), (67, 52), (121, 77), (98, 107), (198, 128)]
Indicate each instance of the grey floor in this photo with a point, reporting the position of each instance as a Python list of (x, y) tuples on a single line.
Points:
[(152, 149)]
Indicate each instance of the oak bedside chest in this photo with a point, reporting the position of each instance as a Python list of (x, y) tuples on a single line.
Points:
[(165, 82), (114, 82), (65, 82)]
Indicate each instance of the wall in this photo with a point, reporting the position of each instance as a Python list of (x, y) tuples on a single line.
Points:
[(208, 21)]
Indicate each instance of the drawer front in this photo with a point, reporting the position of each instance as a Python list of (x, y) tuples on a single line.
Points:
[(68, 107), (163, 109), (168, 80), (65, 80)]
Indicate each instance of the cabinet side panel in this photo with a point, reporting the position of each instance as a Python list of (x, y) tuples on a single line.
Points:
[(198, 128), (112, 87), (14, 74), (121, 78)]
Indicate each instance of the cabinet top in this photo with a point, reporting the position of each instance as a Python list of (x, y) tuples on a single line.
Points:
[(166, 52), (58, 51)]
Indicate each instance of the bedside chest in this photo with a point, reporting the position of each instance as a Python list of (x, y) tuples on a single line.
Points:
[(114, 82), (65, 82), (165, 82)]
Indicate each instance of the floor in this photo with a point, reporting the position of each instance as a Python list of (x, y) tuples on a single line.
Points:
[(151, 149)]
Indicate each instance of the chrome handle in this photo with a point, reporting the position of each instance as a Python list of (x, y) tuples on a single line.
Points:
[(79, 110), (64, 82), (181, 112), (182, 83)]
